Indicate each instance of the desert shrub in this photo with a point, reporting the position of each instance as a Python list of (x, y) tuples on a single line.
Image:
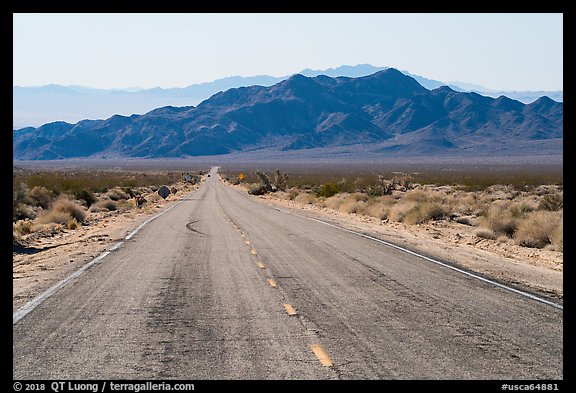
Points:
[(327, 190), (20, 193), (116, 194), (402, 182), (551, 202), (71, 208), (557, 236), (53, 216), (280, 180), (305, 198), (103, 205), (536, 229), (485, 233), (334, 201), (131, 193), (153, 198), (40, 196), (423, 212), (499, 219), (21, 211), (72, 224), (23, 227), (466, 203), (377, 210), (257, 189), (351, 205), (85, 196), (416, 196), (466, 220), (124, 205), (293, 193), (399, 210), (519, 210)]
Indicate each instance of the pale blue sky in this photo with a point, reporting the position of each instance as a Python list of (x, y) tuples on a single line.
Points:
[(498, 51)]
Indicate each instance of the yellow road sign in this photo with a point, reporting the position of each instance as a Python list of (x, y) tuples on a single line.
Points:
[(241, 176)]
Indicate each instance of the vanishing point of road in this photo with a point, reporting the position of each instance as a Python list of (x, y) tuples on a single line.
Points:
[(220, 286)]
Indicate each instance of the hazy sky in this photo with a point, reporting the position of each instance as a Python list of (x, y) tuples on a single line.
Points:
[(498, 51)]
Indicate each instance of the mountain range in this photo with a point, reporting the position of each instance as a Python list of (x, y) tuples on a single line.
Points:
[(34, 106), (387, 113)]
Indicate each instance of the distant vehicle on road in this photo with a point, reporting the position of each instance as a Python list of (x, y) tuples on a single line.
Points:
[(208, 175)]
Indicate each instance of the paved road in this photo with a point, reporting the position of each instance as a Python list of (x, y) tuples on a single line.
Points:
[(188, 297)]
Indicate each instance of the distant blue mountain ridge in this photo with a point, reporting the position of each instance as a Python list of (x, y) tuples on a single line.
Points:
[(34, 106), (386, 113)]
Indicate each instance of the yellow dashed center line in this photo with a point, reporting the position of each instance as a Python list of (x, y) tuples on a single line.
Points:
[(261, 265), (290, 310), (247, 242), (253, 251), (322, 355), (272, 282)]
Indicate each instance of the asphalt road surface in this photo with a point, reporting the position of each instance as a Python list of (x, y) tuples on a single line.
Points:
[(205, 291)]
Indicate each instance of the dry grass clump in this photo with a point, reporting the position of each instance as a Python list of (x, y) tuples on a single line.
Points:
[(335, 201), (53, 216), (40, 196), (552, 202), (293, 193), (22, 227), (400, 209), (305, 198), (537, 229), (417, 195), (423, 212), (378, 210), (72, 224), (104, 205), (557, 236), (117, 194), (499, 219), (61, 211), (485, 233), (354, 203)]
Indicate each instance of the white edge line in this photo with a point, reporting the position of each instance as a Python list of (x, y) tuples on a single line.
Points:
[(32, 304), (526, 294)]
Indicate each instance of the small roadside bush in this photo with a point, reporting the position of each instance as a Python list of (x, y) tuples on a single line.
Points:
[(305, 198), (485, 233), (399, 210), (21, 212), (499, 219), (86, 196), (377, 210), (354, 203), (557, 236), (69, 207), (103, 205), (72, 224), (327, 190), (53, 217), (536, 229), (116, 195), (424, 212), (40, 196), (23, 227), (551, 202)]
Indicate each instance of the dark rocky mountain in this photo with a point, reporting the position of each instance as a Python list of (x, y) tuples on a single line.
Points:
[(386, 112), (34, 106)]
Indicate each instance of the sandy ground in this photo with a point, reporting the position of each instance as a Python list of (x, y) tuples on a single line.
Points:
[(538, 270), (50, 256)]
